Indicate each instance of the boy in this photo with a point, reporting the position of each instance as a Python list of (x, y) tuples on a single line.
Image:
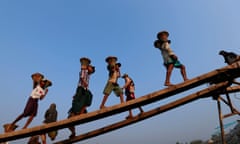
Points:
[(170, 59), (129, 92), (112, 85), (31, 107), (83, 97)]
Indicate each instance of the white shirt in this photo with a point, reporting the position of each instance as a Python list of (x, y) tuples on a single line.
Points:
[(37, 92), (166, 52)]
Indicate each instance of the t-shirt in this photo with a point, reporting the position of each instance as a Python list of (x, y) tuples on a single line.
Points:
[(166, 52), (37, 92)]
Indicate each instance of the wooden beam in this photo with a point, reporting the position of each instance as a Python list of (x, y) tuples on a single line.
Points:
[(226, 73), (233, 89), (221, 121), (203, 93), (231, 114)]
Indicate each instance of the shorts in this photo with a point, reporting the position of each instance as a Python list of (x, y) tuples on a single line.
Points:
[(129, 95), (112, 87), (176, 63), (31, 107)]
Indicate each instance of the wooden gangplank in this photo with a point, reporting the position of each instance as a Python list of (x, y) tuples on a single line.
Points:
[(213, 90), (226, 73)]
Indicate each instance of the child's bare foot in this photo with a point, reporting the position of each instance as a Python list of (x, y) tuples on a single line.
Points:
[(185, 79), (72, 135), (102, 107), (9, 127), (140, 113), (168, 84), (128, 117)]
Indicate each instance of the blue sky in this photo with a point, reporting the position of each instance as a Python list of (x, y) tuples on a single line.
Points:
[(51, 36)]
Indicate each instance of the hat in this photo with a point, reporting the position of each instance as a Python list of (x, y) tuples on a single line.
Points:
[(119, 64), (125, 75), (111, 58), (161, 33), (48, 83), (37, 76), (85, 61)]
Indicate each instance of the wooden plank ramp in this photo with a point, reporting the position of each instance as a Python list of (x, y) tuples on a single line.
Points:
[(200, 94), (226, 73)]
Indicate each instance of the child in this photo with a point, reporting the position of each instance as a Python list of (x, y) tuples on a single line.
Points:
[(170, 59), (31, 107), (112, 85), (83, 97), (50, 116), (129, 92)]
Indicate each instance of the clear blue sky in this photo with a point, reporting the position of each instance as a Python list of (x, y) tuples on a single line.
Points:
[(50, 37)]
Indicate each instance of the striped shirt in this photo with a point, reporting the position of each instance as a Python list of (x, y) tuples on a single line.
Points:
[(83, 78)]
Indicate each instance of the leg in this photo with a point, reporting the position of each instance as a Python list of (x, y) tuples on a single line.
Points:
[(107, 91), (73, 131), (183, 72), (130, 114), (104, 101), (141, 110), (17, 119), (28, 121), (43, 137), (121, 98), (168, 74), (72, 128)]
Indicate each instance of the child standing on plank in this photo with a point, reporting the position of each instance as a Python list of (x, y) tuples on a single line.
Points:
[(112, 85), (129, 92), (31, 107), (50, 116), (169, 58), (83, 97)]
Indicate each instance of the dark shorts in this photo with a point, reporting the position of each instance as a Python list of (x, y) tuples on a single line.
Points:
[(129, 95), (31, 107), (82, 98)]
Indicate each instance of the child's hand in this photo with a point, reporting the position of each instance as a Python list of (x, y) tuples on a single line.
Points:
[(174, 57)]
